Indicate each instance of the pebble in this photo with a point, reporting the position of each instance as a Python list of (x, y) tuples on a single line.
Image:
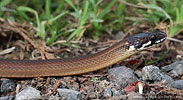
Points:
[(107, 92), (28, 93), (56, 97), (7, 98), (68, 94), (119, 35), (178, 84), (175, 69), (153, 73), (8, 86), (117, 93), (138, 73), (135, 96), (123, 76)]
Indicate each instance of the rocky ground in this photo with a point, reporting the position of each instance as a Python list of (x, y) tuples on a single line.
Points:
[(153, 74), (120, 83)]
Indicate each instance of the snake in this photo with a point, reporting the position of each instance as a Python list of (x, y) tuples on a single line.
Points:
[(82, 64)]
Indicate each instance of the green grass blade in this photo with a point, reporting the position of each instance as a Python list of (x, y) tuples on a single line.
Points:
[(27, 9), (97, 20), (57, 17), (76, 10), (70, 3), (179, 14), (158, 9), (77, 31), (48, 10), (107, 9), (175, 29), (85, 14), (162, 57), (4, 2)]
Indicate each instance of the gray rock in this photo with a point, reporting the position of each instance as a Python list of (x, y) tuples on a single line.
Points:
[(107, 92), (153, 73), (68, 94), (123, 76), (174, 69), (119, 35), (8, 86), (7, 98), (135, 96), (117, 93), (178, 84), (28, 93)]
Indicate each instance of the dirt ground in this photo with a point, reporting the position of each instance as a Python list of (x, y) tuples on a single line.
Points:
[(18, 41)]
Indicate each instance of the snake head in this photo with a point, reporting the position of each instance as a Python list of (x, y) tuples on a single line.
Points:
[(145, 40)]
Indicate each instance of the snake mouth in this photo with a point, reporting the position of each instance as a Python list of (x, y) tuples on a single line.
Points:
[(161, 40)]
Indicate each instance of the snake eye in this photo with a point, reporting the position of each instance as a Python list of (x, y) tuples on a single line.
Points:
[(153, 38)]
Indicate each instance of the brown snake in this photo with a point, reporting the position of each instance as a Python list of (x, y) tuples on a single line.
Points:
[(80, 65)]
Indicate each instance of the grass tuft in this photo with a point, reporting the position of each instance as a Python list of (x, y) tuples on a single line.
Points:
[(74, 19)]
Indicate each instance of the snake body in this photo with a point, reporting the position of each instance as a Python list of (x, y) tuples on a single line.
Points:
[(83, 64)]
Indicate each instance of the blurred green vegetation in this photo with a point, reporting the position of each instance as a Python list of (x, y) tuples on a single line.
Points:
[(74, 19)]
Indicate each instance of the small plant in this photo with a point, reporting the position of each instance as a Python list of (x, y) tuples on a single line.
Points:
[(167, 10), (41, 25), (88, 16), (91, 16), (73, 19)]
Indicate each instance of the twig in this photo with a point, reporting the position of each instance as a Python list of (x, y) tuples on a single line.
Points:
[(21, 31), (7, 51), (56, 85), (176, 40)]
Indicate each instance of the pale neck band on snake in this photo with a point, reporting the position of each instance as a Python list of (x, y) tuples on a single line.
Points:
[(83, 64)]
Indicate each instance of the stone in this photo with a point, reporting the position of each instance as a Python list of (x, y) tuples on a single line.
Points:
[(68, 94), (107, 92), (7, 98), (8, 86), (178, 84), (135, 96), (119, 35), (153, 73), (117, 93), (175, 69), (55, 97), (123, 76), (28, 93)]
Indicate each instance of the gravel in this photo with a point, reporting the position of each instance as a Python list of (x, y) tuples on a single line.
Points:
[(123, 76), (117, 93), (68, 94), (28, 93), (55, 97), (7, 98), (178, 84), (174, 69), (107, 92), (8, 86), (135, 96), (153, 73)]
